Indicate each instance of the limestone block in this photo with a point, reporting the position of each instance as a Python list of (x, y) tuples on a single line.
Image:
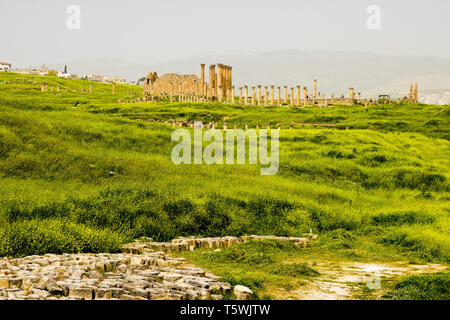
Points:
[(242, 293), (84, 293)]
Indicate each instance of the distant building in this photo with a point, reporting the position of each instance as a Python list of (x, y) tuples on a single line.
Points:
[(94, 77), (5, 66), (63, 75), (43, 71), (116, 80)]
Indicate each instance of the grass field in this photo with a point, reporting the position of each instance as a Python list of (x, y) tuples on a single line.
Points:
[(80, 172)]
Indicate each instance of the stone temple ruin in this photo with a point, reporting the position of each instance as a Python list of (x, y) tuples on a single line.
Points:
[(170, 84), (190, 88)]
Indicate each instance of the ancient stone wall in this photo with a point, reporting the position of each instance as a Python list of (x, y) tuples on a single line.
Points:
[(172, 84), (220, 84)]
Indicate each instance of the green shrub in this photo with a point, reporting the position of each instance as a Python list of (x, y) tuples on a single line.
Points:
[(294, 270), (428, 244), (422, 287), (338, 239), (259, 252), (39, 237), (399, 218)]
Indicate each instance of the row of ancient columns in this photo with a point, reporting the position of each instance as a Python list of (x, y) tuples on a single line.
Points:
[(291, 96)]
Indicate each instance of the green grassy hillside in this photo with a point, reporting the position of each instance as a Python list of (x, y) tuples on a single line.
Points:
[(81, 172)]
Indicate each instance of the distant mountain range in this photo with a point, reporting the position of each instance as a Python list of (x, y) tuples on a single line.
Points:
[(369, 74)]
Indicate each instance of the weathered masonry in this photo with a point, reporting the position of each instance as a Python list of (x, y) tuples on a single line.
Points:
[(219, 87)]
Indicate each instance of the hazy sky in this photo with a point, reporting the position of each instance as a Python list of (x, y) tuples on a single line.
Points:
[(34, 32)]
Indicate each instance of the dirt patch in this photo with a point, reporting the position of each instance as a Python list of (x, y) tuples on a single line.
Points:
[(342, 281)]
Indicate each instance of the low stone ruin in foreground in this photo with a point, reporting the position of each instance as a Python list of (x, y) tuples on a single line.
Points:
[(189, 244), (142, 272)]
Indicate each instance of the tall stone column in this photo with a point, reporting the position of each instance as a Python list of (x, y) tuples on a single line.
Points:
[(259, 95), (220, 76), (240, 95), (292, 96), (202, 79), (253, 95), (230, 78), (232, 94), (246, 95), (416, 92), (285, 98), (272, 95), (305, 96), (216, 86), (266, 95), (298, 95), (225, 80), (279, 95), (315, 89), (90, 87), (359, 96), (350, 94), (212, 72)]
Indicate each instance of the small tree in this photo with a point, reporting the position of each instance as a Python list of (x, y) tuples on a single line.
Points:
[(65, 69)]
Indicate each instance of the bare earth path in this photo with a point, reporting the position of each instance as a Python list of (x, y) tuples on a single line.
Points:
[(343, 280)]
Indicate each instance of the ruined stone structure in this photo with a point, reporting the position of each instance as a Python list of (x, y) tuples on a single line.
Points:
[(172, 83), (190, 88), (143, 271), (220, 85)]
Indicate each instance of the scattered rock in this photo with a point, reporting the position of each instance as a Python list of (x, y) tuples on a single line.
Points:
[(242, 293)]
